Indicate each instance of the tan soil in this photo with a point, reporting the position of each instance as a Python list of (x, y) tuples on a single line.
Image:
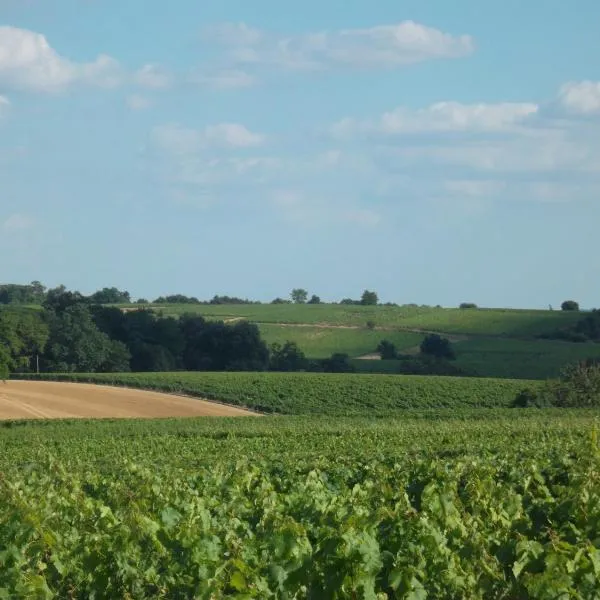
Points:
[(51, 400)]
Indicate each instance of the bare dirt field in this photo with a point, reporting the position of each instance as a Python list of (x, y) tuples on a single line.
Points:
[(50, 400)]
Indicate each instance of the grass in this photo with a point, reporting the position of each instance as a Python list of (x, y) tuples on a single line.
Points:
[(318, 393), (319, 342)]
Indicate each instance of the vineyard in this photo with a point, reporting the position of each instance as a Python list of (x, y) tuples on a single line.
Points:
[(504, 506), (490, 322), (317, 393)]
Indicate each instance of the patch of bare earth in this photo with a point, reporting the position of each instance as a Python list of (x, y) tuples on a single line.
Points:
[(51, 400)]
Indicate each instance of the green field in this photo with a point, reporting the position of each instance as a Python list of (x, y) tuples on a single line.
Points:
[(321, 393), (505, 506), (516, 359), (319, 342), (496, 322)]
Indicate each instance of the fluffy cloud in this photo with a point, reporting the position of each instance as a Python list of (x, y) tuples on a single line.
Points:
[(182, 140), (582, 97), (441, 118), (153, 77), (27, 61), (385, 46)]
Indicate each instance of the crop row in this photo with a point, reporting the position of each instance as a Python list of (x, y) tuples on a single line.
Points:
[(302, 508)]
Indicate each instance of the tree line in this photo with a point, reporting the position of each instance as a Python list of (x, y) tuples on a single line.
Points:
[(36, 294), (70, 333)]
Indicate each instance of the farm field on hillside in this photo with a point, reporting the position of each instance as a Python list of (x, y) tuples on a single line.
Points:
[(318, 393), (499, 507), (494, 322), (319, 342), (540, 359)]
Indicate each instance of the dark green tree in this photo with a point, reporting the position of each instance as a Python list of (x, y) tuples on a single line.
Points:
[(287, 357), (75, 343), (437, 346), (387, 350), (369, 298), (570, 305), (314, 300), (299, 296)]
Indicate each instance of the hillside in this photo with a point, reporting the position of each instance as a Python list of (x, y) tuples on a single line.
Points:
[(500, 343)]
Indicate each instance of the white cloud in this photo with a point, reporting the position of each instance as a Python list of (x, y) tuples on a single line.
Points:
[(226, 79), (181, 140), (442, 117), (138, 102), (385, 46), (153, 77), (18, 222), (581, 97), (27, 61)]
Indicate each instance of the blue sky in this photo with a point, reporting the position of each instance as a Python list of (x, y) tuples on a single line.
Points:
[(436, 152)]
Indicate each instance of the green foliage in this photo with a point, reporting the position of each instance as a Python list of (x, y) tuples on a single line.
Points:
[(23, 334), (437, 346), (319, 393), (287, 357), (4, 371), (369, 298), (468, 305), (570, 305), (22, 294), (491, 508), (110, 296), (75, 344), (299, 296), (387, 350), (314, 299)]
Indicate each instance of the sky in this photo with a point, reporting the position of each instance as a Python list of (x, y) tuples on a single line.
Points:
[(436, 152)]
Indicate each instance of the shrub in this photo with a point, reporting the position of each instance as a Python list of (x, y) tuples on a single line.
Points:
[(371, 325), (467, 305)]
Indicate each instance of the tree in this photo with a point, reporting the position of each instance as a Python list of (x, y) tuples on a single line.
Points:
[(59, 299), (23, 334), (4, 372), (437, 346), (387, 350), (314, 300), (110, 296), (75, 343), (299, 296), (468, 305), (338, 363), (287, 357), (369, 298), (570, 305)]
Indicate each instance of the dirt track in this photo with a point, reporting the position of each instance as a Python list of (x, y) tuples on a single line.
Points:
[(49, 400)]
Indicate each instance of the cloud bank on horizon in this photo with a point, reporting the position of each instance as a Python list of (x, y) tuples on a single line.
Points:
[(362, 131)]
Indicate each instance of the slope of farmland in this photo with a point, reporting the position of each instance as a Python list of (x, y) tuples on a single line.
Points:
[(318, 393), (322, 342), (521, 359), (497, 322), (48, 400)]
